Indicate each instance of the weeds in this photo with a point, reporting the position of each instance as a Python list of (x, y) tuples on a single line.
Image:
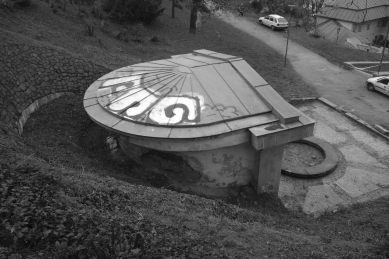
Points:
[(89, 29), (10, 4), (154, 39)]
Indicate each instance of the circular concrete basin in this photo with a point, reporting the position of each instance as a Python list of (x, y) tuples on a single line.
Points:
[(325, 167)]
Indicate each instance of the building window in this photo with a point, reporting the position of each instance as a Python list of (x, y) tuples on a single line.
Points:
[(379, 24), (384, 23), (367, 26), (360, 28)]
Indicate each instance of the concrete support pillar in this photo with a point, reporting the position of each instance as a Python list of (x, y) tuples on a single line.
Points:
[(269, 164)]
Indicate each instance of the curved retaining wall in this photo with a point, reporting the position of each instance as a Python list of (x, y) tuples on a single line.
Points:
[(34, 75)]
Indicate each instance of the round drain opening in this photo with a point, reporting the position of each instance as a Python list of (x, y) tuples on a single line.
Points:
[(309, 158)]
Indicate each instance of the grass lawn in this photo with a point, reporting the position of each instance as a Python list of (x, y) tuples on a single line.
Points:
[(333, 52), (65, 29), (73, 151)]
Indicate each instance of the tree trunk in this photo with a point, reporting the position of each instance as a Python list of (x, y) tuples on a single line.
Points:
[(173, 7), (193, 18)]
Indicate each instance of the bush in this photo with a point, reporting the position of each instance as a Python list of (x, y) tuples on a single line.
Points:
[(39, 212), (15, 3), (300, 12), (145, 11), (257, 5)]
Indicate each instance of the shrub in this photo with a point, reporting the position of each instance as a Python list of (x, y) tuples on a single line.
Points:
[(121, 11), (314, 35), (38, 211), (97, 12), (257, 5), (89, 29), (15, 3)]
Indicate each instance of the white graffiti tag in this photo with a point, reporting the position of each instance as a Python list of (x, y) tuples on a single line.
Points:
[(173, 110), (140, 103)]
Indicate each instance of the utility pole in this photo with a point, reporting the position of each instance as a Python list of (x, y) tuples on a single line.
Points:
[(383, 50), (287, 39), (337, 35)]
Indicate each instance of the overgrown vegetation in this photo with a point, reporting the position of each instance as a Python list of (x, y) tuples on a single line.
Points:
[(47, 212), (122, 11), (15, 3), (256, 5)]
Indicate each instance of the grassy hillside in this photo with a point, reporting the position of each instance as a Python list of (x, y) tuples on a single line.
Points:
[(59, 199), (65, 29)]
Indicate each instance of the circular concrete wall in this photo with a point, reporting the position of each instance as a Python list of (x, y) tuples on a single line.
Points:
[(218, 167)]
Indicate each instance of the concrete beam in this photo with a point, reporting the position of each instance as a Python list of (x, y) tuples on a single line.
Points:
[(269, 164)]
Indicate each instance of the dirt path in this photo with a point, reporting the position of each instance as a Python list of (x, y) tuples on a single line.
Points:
[(342, 87)]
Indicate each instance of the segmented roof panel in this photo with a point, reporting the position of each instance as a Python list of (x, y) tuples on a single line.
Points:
[(203, 89), (356, 10)]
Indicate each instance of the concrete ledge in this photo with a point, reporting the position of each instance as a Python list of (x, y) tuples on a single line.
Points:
[(365, 124), (382, 129), (357, 119), (326, 167), (326, 102), (300, 100), (373, 74), (35, 106)]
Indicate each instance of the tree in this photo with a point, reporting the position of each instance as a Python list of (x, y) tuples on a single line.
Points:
[(176, 4), (316, 7), (275, 6), (196, 7)]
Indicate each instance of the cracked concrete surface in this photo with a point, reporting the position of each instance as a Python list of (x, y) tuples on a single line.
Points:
[(362, 173)]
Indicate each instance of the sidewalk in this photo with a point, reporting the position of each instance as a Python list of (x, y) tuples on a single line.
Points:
[(361, 175)]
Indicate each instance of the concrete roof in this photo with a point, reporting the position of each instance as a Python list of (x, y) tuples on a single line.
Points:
[(329, 31), (200, 94), (358, 4), (356, 10)]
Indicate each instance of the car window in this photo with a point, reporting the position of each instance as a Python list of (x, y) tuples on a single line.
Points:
[(271, 18), (282, 20), (383, 81)]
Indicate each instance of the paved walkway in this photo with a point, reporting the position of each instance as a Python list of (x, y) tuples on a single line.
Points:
[(340, 86), (361, 175)]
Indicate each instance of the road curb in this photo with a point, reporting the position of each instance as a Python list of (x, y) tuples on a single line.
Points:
[(356, 119), (328, 103), (382, 129), (363, 72), (301, 100)]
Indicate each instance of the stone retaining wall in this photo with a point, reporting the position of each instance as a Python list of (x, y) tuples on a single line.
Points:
[(33, 75)]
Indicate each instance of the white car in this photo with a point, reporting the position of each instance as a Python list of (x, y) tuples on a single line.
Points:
[(379, 84), (274, 21)]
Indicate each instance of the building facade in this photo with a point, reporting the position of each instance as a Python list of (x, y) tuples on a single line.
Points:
[(368, 19)]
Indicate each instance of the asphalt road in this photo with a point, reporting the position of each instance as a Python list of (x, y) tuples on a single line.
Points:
[(342, 87)]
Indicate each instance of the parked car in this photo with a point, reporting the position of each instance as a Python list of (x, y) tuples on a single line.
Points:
[(379, 84), (274, 21)]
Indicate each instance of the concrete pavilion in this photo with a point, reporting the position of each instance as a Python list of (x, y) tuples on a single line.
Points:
[(211, 109)]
